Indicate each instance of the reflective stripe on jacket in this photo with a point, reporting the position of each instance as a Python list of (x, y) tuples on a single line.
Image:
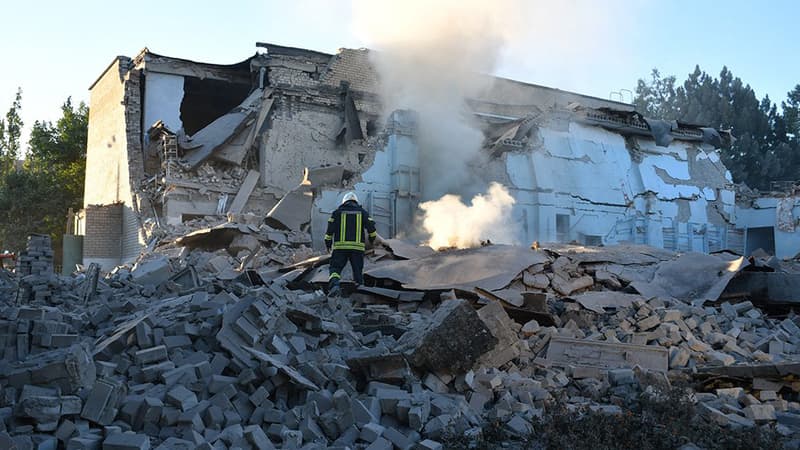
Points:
[(346, 228)]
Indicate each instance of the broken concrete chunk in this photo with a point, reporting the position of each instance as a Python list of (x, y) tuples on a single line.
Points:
[(530, 328), (103, 401), (502, 328), (580, 352), (182, 398), (293, 211), (567, 286), (153, 271), (760, 413), (452, 340)]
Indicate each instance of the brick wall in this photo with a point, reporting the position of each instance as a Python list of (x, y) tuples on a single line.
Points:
[(103, 232), (354, 66), (132, 215)]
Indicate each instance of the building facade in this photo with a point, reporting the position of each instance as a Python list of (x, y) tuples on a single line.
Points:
[(171, 140)]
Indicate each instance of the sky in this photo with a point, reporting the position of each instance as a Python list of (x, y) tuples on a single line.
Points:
[(54, 49)]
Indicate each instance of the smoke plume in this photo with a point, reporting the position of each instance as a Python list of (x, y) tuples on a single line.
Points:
[(431, 57), (451, 223)]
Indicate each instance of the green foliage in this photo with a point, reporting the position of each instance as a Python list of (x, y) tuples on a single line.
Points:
[(766, 147), (36, 199), (10, 132)]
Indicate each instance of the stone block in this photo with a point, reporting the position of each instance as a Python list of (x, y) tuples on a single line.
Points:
[(257, 438), (362, 414), (218, 383), (102, 402), (719, 358), (65, 431), (620, 377), (452, 340), (504, 330), (760, 413), (398, 439), (530, 328), (151, 355), (126, 441), (182, 398), (180, 341), (671, 315), (380, 444), (433, 383), (152, 271), (519, 426), (648, 323), (678, 358), (714, 415), (371, 432), (428, 444), (566, 286)]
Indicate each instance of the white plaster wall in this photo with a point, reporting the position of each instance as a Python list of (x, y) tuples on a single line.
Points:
[(587, 173), (764, 214), (163, 95)]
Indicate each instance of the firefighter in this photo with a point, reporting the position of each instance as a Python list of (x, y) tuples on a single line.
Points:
[(346, 236)]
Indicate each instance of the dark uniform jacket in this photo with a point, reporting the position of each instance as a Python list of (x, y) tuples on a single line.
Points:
[(346, 227)]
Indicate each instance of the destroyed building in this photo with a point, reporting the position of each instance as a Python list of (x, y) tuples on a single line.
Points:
[(171, 140)]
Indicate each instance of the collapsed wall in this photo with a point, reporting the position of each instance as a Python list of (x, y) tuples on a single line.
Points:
[(579, 169)]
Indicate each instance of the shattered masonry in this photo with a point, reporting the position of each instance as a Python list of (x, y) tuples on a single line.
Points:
[(222, 338), (172, 140)]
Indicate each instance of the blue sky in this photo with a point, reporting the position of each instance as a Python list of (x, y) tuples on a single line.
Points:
[(55, 49)]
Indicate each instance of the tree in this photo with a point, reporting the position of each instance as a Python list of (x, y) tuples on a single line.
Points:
[(656, 98), (791, 113), (60, 151), (10, 132), (764, 150), (36, 199)]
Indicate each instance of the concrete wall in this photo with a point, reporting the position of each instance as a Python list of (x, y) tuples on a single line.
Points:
[(389, 189), (163, 94), (763, 213), (303, 135), (588, 174)]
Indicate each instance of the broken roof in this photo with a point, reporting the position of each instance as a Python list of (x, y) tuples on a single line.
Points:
[(155, 62)]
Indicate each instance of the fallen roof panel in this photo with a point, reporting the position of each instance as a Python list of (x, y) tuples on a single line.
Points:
[(491, 267), (220, 131), (407, 250), (693, 276), (619, 254)]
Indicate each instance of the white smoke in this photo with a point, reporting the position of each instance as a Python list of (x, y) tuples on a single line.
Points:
[(451, 223), (431, 57)]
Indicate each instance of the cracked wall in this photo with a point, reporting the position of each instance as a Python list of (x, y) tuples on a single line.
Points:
[(571, 180), (587, 174), (773, 213)]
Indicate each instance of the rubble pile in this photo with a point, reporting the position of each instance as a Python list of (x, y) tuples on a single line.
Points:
[(222, 338), (35, 266)]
